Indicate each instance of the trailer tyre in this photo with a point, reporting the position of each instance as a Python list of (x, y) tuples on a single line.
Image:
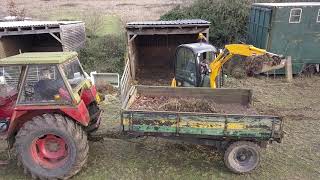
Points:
[(51, 146), (242, 157)]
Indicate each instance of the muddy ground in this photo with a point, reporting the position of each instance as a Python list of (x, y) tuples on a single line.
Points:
[(298, 157)]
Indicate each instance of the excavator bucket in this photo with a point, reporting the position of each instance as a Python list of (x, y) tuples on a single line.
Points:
[(268, 67), (262, 64)]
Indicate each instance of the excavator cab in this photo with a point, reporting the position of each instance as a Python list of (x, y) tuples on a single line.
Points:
[(194, 68), (192, 64)]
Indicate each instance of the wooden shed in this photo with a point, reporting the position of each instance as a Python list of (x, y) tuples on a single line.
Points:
[(40, 36), (291, 29), (152, 46)]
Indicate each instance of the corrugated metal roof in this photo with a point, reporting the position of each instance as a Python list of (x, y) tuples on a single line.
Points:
[(289, 4), (38, 58), (185, 22), (22, 24)]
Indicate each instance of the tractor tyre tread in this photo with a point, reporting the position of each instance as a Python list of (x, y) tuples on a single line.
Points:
[(61, 123)]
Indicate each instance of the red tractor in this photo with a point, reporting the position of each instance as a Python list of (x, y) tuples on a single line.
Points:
[(47, 108)]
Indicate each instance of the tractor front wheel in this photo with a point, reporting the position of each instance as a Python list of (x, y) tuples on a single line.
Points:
[(51, 146)]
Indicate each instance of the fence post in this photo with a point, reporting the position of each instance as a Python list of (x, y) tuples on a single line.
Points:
[(288, 70)]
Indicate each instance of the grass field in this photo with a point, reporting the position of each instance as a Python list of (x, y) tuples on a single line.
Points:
[(102, 23), (127, 10), (297, 157)]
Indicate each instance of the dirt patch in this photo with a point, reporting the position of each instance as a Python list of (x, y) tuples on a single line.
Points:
[(162, 103), (154, 76), (274, 96), (69, 5)]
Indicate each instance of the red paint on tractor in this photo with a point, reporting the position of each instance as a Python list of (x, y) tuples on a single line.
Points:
[(80, 113), (89, 95), (7, 103), (49, 151), (24, 113), (21, 115)]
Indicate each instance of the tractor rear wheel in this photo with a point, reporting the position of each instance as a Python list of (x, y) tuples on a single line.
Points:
[(242, 156), (51, 146)]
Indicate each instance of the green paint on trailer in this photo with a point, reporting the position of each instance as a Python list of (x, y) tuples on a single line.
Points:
[(212, 126), (269, 28), (200, 124), (201, 131), (152, 129)]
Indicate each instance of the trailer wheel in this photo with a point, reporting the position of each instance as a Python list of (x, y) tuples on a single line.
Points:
[(51, 147), (242, 156)]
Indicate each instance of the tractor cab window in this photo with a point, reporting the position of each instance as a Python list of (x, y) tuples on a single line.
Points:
[(9, 80), (73, 72), (44, 84), (186, 66)]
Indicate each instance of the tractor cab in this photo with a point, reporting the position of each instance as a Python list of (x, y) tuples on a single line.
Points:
[(48, 106), (43, 82), (191, 65)]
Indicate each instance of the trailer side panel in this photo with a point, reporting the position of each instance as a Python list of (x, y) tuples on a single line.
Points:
[(215, 126)]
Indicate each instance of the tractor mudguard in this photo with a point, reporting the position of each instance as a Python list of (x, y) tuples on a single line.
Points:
[(79, 114), (22, 114)]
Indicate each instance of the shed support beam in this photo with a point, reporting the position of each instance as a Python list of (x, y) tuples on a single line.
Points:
[(56, 37), (133, 37)]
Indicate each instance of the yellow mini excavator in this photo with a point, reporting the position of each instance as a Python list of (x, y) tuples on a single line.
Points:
[(199, 64)]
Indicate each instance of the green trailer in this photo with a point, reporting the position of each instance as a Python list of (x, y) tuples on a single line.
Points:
[(290, 29), (240, 135)]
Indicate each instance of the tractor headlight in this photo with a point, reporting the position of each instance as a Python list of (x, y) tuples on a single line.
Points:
[(98, 99)]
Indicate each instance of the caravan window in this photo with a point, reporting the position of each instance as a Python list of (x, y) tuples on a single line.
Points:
[(295, 15)]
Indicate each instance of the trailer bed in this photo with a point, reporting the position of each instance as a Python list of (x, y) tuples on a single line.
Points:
[(188, 104), (234, 118)]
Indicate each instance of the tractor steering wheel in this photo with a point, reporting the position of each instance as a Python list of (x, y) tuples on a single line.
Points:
[(29, 90)]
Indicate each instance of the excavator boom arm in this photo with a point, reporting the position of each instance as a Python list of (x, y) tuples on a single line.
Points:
[(229, 51)]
